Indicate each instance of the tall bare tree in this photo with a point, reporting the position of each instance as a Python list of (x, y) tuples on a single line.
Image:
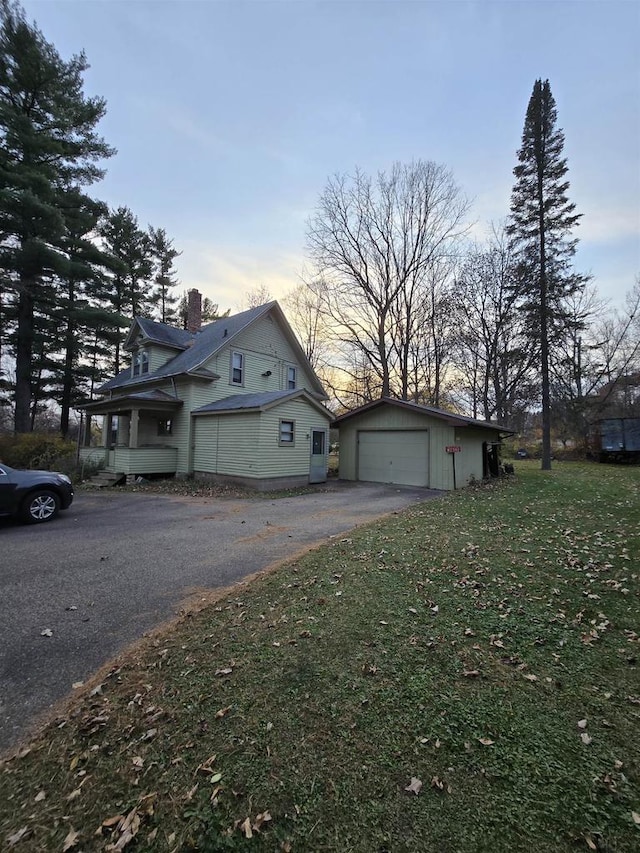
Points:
[(494, 358), (374, 244)]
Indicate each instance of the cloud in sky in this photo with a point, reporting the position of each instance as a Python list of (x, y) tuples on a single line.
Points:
[(225, 273), (229, 116)]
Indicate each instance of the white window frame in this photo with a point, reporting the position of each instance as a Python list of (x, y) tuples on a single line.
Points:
[(286, 442), (233, 368), (287, 379)]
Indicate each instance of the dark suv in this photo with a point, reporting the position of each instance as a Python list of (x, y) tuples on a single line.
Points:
[(33, 496)]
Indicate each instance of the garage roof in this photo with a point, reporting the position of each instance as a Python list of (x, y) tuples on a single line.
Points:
[(448, 417)]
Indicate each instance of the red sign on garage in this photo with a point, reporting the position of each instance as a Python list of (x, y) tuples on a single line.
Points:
[(453, 448)]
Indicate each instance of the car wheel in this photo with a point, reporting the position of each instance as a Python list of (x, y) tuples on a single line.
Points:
[(40, 506)]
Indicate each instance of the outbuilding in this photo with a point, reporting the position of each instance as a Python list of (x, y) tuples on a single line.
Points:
[(403, 443)]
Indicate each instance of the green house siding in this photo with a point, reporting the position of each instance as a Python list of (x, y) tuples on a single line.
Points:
[(159, 355), (248, 444), (227, 444), (288, 460), (265, 350)]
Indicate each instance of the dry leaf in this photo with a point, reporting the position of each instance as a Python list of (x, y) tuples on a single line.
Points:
[(531, 677), (227, 670), (149, 734), (471, 673), (111, 821), (590, 843), (222, 712), (582, 724), (12, 840), (635, 817), (485, 741), (586, 738), (261, 819), (47, 632), (40, 796), (415, 786), (71, 840), (245, 827), (138, 762)]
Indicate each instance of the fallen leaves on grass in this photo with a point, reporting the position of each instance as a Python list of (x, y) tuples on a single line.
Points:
[(414, 786), (248, 827), (486, 741), (441, 785), (71, 840), (15, 837), (127, 826)]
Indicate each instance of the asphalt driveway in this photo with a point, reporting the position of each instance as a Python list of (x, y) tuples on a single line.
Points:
[(118, 564)]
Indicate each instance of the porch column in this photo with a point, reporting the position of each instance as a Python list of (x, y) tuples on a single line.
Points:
[(106, 430), (133, 428), (86, 436)]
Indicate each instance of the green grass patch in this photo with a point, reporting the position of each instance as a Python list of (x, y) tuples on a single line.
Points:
[(481, 649)]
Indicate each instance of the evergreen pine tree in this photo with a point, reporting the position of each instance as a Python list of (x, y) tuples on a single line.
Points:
[(48, 143), (127, 287), (163, 255), (540, 223)]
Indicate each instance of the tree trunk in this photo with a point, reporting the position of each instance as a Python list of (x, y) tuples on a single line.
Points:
[(24, 351)]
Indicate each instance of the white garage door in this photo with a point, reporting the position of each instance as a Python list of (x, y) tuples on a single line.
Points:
[(394, 456)]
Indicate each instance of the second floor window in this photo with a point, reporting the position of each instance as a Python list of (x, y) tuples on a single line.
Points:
[(237, 368), (140, 362), (291, 378)]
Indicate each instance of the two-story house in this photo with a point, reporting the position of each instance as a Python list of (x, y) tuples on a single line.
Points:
[(234, 400)]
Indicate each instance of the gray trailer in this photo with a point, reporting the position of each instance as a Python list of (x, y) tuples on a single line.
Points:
[(618, 439)]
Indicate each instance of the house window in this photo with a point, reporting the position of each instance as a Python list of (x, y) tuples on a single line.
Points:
[(291, 378), (287, 432), (165, 427), (237, 368), (140, 362)]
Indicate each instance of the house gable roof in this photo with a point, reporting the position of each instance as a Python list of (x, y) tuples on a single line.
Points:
[(157, 333), (449, 417), (199, 347), (261, 402)]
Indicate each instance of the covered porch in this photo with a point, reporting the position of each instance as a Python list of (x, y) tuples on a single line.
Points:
[(136, 437)]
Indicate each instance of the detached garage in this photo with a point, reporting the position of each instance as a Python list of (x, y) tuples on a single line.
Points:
[(393, 441)]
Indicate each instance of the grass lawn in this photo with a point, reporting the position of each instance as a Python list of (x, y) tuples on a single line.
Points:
[(462, 676)]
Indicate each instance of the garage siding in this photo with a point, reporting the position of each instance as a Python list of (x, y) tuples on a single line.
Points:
[(394, 456)]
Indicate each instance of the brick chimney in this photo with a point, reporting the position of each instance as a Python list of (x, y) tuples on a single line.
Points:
[(194, 311)]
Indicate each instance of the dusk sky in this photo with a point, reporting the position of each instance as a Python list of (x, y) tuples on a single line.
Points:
[(229, 117)]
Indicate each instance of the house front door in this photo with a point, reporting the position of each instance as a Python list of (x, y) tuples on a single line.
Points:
[(318, 465)]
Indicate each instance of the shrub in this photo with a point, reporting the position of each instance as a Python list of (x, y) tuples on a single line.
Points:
[(38, 450)]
